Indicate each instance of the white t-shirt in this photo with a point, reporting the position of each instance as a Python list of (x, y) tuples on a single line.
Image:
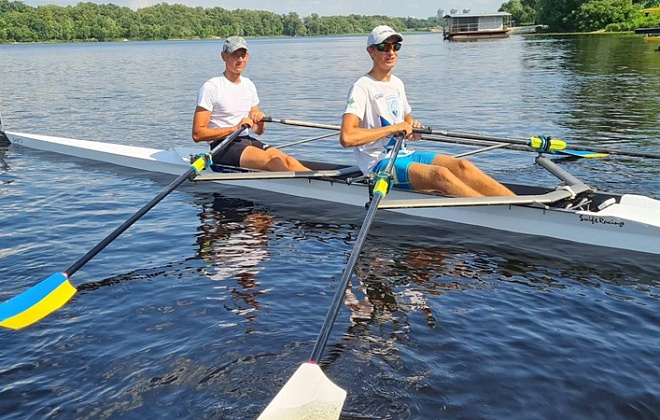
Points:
[(377, 104), (228, 102)]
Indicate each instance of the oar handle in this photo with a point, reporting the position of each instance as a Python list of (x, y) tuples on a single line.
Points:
[(422, 130)]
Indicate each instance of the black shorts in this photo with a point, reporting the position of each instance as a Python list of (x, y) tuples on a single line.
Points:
[(231, 156)]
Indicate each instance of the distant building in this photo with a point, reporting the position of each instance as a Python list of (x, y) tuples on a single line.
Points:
[(468, 26), (441, 13)]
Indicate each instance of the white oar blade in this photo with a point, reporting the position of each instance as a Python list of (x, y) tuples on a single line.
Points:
[(308, 395)]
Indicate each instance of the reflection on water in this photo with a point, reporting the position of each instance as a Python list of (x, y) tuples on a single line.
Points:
[(233, 241), (4, 166)]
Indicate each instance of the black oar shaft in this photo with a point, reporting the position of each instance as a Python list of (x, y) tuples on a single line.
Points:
[(473, 136), (482, 137), (324, 335), (135, 217), (330, 318)]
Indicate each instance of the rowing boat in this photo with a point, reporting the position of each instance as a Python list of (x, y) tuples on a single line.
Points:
[(572, 211)]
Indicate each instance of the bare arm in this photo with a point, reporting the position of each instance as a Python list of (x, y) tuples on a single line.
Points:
[(352, 134), (202, 132)]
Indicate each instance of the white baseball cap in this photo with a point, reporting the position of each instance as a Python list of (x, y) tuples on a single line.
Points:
[(381, 33)]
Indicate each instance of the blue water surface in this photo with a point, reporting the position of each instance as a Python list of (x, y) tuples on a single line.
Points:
[(208, 304)]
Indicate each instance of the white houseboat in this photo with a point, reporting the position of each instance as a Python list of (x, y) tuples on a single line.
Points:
[(468, 26)]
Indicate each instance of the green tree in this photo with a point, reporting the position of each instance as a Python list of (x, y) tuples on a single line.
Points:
[(523, 12), (293, 25), (557, 14), (597, 14)]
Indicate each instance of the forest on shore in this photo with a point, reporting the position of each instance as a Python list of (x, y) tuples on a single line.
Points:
[(88, 21), (109, 22), (584, 15)]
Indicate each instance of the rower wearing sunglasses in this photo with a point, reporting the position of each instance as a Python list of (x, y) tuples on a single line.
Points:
[(377, 109)]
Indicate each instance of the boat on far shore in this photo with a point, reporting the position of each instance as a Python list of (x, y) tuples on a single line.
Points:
[(650, 34), (474, 26), (529, 29)]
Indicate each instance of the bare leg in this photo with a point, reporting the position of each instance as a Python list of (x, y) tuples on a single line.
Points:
[(472, 176), (269, 160), (438, 178), (291, 162)]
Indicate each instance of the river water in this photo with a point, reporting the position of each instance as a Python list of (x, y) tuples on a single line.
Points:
[(207, 305)]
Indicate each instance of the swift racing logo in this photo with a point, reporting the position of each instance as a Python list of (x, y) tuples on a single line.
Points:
[(595, 220)]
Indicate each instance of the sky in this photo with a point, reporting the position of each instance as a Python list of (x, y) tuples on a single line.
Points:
[(399, 8)]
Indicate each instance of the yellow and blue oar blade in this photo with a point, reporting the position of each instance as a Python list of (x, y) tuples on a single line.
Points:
[(309, 394), (581, 153), (558, 147), (50, 294), (36, 302)]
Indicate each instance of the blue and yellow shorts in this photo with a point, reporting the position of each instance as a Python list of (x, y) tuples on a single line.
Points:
[(401, 166)]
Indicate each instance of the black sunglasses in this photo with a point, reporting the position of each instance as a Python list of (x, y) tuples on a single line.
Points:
[(387, 47)]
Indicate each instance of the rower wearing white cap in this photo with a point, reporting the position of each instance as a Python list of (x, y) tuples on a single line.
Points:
[(228, 101), (377, 109)]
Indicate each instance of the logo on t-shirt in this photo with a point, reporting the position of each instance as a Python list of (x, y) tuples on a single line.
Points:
[(394, 108)]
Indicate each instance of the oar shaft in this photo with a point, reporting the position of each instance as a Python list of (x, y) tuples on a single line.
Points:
[(473, 136), (482, 137), (294, 143), (303, 124), (194, 168), (324, 335), (135, 217), (379, 193)]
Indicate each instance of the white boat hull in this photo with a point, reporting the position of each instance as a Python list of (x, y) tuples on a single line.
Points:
[(633, 223)]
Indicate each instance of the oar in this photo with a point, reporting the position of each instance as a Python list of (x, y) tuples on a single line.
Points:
[(52, 293), (309, 394), (573, 151), (539, 144)]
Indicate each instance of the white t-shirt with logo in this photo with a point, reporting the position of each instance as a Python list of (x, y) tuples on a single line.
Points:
[(228, 102), (377, 104)]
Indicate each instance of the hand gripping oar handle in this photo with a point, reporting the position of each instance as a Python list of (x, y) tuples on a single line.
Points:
[(51, 293), (381, 188)]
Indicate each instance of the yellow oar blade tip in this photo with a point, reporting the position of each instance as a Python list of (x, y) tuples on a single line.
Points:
[(37, 302)]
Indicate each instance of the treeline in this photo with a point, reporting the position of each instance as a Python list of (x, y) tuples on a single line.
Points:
[(583, 15), (107, 22)]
